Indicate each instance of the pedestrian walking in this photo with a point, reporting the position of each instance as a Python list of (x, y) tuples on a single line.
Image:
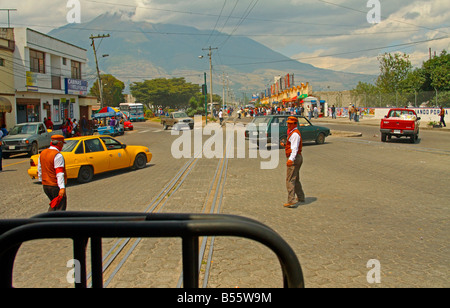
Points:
[(293, 148), (316, 112), (442, 115), (84, 125), (52, 174), (221, 117)]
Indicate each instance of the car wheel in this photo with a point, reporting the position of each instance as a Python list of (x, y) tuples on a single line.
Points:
[(140, 161), (85, 174), (34, 149), (383, 137), (320, 139), (165, 126)]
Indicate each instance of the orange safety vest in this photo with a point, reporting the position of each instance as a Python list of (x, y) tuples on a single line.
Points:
[(288, 143), (48, 168)]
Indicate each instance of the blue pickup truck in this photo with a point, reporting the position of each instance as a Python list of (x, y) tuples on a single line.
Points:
[(27, 138)]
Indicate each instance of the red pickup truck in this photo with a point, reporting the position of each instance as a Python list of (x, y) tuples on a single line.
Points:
[(400, 122)]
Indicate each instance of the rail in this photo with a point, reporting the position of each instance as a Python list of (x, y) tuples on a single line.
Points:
[(82, 226)]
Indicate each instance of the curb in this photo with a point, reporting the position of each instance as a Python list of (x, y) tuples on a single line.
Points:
[(340, 133)]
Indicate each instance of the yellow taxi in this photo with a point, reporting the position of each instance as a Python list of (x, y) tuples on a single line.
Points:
[(91, 155)]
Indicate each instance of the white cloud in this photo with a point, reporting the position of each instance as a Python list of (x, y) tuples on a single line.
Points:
[(326, 35)]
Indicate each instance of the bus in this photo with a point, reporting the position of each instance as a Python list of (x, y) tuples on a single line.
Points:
[(135, 112)]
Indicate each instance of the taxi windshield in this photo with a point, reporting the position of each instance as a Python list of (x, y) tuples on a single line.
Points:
[(70, 145)]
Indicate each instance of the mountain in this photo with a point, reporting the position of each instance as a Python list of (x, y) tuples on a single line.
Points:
[(142, 50)]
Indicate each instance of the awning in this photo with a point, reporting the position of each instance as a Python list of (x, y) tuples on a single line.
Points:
[(5, 105)]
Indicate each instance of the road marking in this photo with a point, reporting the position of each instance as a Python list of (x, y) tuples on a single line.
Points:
[(20, 162)]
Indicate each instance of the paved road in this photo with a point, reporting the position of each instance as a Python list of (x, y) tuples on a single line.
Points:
[(365, 200)]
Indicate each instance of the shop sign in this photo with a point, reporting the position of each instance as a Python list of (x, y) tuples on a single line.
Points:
[(76, 86)]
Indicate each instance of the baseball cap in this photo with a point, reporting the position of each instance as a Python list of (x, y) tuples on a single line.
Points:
[(292, 120), (58, 138)]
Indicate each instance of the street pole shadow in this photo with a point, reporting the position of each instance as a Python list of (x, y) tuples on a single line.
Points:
[(308, 201)]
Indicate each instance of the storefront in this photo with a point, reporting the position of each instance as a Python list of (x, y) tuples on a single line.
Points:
[(5, 107)]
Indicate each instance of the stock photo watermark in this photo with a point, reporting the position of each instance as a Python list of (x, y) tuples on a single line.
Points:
[(374, 15), (373, 275), (74, 274), (215, 147), (74, 14)]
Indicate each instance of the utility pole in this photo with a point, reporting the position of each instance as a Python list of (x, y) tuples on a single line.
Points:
[(100, 86), (210, 71), (8, 10)]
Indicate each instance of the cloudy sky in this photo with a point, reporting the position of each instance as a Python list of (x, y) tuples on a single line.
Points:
[(332, 34)]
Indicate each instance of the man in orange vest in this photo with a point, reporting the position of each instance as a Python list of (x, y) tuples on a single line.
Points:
[(293, 149), (52, 174)]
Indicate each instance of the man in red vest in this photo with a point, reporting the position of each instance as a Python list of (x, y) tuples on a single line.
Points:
[(52, 174), (293, 149)]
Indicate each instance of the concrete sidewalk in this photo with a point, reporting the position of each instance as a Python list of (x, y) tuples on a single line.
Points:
[(370, 121), (363, 121)]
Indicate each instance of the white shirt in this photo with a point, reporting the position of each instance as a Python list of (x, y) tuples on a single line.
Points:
[(295, 144), (220, 114), (59, 163)]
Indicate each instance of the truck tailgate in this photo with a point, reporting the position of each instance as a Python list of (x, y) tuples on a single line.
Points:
[(398, 124)]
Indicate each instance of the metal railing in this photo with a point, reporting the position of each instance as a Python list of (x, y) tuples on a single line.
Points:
[(82, 226)]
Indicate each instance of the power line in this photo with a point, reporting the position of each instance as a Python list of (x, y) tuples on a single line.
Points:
[(383, 17), (244, 16), (217, 22), (339, 54)]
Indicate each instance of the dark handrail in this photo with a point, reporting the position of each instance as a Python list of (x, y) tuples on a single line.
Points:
[(82, 226)]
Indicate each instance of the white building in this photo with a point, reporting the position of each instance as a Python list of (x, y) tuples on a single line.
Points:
[(48, 79)]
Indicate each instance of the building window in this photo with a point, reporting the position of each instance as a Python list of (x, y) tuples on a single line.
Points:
[(37, 61), (2, 62), (76, 70), (64, 61)]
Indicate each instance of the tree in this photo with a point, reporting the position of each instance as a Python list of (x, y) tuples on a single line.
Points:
[(172, 93), (436, 72), (366, 93), (112, 90), (394, 70)]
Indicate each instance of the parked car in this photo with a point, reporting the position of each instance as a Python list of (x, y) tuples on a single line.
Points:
[(91, 155), (400, 122), (27, 138), (177, 120), (309, 131)]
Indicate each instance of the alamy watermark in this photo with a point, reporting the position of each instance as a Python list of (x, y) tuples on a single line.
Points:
[(74, 274), (74, 14), (374, 275), (374, 15), (190, 143)]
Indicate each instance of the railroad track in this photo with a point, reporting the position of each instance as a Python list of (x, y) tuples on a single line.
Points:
[(116, 257)]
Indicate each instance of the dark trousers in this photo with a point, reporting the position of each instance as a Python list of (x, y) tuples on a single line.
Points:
[(1, 153), (52, 192), (443, 122)]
